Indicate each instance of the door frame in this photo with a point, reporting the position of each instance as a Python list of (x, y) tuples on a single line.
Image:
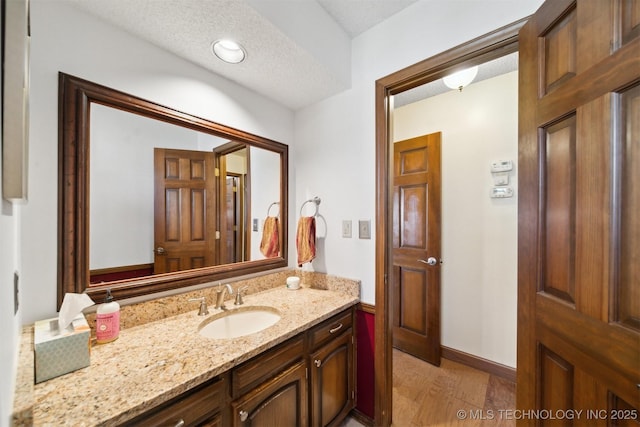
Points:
[(485, 48)]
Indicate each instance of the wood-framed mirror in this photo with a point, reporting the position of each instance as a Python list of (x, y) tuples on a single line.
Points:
[(153, 199)]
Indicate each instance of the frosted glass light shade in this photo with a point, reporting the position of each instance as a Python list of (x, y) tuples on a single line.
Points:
[(461, 78)]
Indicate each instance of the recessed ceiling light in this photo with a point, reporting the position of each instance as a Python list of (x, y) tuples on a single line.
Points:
[(229, 51)]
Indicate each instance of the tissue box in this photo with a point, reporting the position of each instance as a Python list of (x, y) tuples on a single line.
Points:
[(59, 352)]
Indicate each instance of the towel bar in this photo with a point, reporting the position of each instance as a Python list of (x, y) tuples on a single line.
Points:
[(315, 200), (270, 206)]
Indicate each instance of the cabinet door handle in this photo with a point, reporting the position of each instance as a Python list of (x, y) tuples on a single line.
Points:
[(336, 329), (317, 362), (243, 415), (180, 423)]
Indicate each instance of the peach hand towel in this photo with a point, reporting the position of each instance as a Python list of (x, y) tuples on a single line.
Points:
[(306, 239), (270, 244)]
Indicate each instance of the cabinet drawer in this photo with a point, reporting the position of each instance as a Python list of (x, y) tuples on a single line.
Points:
[(262, 367), (330, 328), (193, 407)]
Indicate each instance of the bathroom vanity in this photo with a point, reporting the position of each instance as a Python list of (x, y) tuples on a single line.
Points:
[(308, 380), (300, 371)]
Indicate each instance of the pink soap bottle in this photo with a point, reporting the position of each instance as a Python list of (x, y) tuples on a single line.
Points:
[(107, 320)]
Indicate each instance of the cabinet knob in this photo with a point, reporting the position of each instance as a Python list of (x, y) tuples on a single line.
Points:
[(318, 362), (243, 415)]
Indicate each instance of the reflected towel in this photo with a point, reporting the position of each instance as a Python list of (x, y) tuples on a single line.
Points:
[(270, 244), (306, 239)]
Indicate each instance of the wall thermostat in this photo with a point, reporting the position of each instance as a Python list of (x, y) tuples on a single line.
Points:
[(501, 166), (501, 192)]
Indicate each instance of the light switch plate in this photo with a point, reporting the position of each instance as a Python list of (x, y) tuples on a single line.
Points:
[(500, 178), (364, 229), (346, 228)]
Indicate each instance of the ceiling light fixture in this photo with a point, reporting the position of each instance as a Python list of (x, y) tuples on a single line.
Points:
[(228, 51), (461, 78)]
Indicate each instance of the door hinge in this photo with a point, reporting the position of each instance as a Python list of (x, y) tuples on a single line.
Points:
[(234, 189), (217, 235), (385, 279), (353, 394), (306, 373), (217, 171)]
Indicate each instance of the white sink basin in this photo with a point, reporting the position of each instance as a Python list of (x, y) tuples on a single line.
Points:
[(239, 322)]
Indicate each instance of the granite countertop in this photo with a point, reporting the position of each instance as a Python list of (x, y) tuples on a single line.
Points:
[(152, 363)]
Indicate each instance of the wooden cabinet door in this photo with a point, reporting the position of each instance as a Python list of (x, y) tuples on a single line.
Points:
[(332, 381), (282, 402)]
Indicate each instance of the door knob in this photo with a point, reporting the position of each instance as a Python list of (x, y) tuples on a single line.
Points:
[(160, 250), (431, 261)]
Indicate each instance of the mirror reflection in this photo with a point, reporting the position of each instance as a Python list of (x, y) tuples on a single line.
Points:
[(153, 199), (157, 206)]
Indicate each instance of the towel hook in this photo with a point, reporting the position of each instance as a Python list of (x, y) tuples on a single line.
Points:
[(270, 206), (315, 200)]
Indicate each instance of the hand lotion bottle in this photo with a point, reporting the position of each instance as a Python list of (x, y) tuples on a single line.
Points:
[(107, 320)]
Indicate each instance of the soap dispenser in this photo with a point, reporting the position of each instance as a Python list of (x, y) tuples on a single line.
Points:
[(107, 320)]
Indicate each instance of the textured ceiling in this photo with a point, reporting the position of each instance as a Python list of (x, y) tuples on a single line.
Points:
[(357, 16), (284, 60), (277, 64)]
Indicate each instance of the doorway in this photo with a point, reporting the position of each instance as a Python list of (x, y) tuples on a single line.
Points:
[(493, 45)]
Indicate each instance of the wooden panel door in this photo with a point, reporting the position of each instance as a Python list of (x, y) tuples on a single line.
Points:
[(579, 214), (416, 247), (332, 381), (184, 210)]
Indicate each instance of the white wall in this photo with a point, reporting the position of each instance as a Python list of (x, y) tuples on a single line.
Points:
[(122, 183), (335, 139), (11, 324), (479, 234), (64, 39), (265, 167), (10, 331)]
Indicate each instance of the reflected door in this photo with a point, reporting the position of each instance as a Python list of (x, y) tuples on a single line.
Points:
[(233, 212), (416, 247), (184, 210), (579, 204)]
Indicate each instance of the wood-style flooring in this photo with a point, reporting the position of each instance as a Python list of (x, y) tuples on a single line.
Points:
[(451, 395)]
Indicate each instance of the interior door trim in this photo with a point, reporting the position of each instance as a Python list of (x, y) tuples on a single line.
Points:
[(490, 46)]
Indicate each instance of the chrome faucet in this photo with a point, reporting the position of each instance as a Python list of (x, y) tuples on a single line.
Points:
[(203, 311), (221, 293)]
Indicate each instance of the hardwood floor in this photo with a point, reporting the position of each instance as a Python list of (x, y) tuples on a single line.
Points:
[(451, 395)]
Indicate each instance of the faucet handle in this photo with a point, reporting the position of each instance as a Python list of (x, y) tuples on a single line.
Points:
[(203, 311), (239, 296)]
